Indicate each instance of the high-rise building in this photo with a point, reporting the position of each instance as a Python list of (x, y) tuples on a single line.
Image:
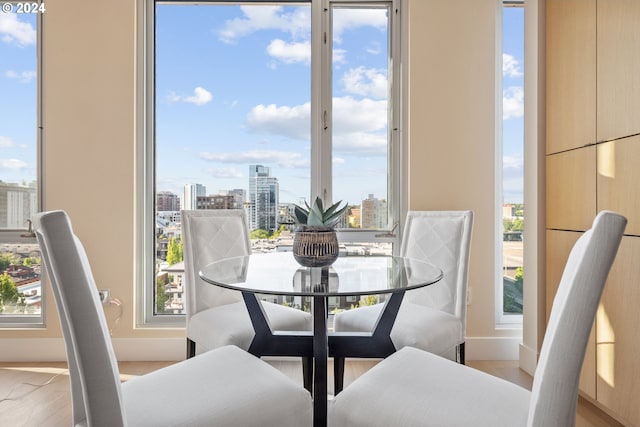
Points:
[(217, 201), (263, 198), (191, 193), (374, 213), (167, 201), (239, 196), (17, 203)]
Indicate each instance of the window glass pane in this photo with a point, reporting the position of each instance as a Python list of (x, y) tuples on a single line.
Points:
[(361, 113), (233, 87), (19, 254), (513, 157)]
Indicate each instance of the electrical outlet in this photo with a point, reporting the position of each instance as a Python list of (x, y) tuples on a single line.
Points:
[(104, 295)]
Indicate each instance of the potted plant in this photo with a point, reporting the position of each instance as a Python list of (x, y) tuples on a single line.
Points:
[(315, 243)]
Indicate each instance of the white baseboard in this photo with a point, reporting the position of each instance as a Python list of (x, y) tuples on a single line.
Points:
[(171, 349), (492, 348), (127, 349), (528, 359)]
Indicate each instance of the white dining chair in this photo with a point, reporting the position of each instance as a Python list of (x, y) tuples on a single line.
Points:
[(433, 318), (416, 388), (226, 387), (216, 316)]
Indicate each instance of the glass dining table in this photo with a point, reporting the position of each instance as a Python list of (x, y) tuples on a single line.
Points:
[(278, 274)]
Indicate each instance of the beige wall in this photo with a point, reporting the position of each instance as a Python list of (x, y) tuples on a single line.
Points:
[(89, 129), (452, 78)]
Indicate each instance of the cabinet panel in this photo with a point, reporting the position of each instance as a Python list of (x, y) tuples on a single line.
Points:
[(618, 179), (571, 189), (618, 69), (559, 244), (618, 335), (571, 74)]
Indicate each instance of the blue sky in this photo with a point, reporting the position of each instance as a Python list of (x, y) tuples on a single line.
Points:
[(513, 103), (233, 89), (18, 143)]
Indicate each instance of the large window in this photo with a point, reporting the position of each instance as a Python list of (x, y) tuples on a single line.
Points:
[(262, 107), (510, 298), (20, 288)]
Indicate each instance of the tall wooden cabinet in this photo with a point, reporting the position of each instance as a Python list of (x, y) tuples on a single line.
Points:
[(593, 163)]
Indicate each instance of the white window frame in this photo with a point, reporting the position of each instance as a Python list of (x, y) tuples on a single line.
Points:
[(502, 320), (320, 141), (16, 236)]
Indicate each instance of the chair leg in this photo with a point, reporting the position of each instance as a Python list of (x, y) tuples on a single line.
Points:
[(307, 373), (461, 354), (338, 374), (191, 348)]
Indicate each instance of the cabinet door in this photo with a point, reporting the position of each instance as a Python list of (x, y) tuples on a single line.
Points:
[(571, 189), (571, 74), (618, 179), (559, 244), (618, 58), (618, 335)]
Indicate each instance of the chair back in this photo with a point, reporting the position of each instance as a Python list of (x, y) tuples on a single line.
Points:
[(555, 385), (208, 236), (93, 369), (442, 238)]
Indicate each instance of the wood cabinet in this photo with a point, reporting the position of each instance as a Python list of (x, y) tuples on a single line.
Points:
[(592, 164), (571, 74), (619, 179), (571, 189), (618, 336), (618, 68)]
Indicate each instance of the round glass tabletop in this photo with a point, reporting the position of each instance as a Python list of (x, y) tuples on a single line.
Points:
[(278, 273)]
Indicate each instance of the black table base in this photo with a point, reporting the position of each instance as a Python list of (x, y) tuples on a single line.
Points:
[(319, 344)]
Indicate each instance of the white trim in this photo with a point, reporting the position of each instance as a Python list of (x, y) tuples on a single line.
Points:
[(492, 348), (174, 349), (127, 349), (528, 359)]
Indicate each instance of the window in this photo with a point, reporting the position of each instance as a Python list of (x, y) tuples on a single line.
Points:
[(20, 288), (510, 295), (261, 106)]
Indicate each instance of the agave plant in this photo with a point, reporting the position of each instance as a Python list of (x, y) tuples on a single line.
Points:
[(317, 216)]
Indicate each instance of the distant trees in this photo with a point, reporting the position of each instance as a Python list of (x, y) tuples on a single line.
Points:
[(516, 224), (264, 234), (161, 296), (8, 290), (174, 251)]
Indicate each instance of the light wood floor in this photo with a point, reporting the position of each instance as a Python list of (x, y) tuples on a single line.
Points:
[(37, 394)]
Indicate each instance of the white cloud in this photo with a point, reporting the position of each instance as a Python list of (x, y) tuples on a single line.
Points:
[(339, 56), (290, 53), (257, 18), (200, 96), (512, 163), (358, 125), (6, 142), (510, 66), (512, 102), (285, 159), (337, 160), (224, 172), (12, 164), (24, 76), (366, 82), (292, 122), (353, 115), (349, 19), (13, 31)]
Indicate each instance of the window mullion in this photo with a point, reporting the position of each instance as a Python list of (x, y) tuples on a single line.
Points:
[(320, 101)]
